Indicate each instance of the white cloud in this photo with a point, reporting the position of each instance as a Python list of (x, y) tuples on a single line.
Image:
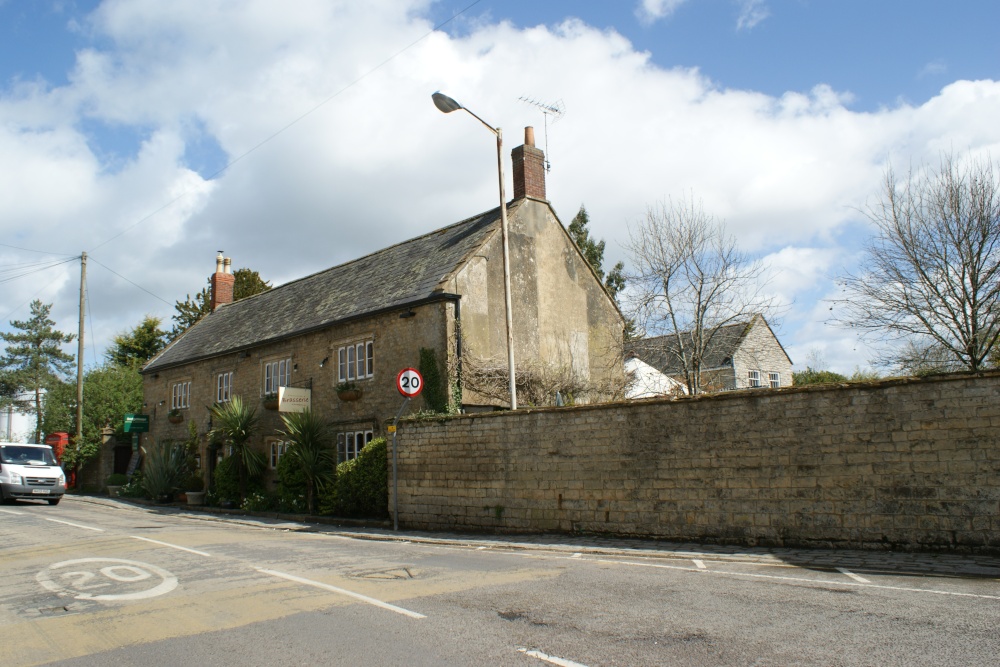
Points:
[(378, 163), (933, 68), (650, 11), (752, 12)]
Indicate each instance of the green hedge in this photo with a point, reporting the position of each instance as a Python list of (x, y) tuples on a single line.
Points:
[(227, 481), (362, 488)]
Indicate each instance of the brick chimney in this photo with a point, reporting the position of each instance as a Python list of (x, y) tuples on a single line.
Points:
[(223, 281), (529, 168)]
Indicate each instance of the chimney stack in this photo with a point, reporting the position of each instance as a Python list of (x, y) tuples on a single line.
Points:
[(529, 168), (223, 281)]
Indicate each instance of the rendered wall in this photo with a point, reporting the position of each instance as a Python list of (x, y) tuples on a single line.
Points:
[(911, 464)]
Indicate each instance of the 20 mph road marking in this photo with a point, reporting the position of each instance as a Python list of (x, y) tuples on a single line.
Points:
[(76, 525), (172, 546), (342, 591), (562, 662)]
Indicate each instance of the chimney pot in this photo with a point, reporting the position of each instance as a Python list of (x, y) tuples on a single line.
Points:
[(223, 282), (529, 136)]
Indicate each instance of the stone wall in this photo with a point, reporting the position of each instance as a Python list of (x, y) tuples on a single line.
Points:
[(911, 464)]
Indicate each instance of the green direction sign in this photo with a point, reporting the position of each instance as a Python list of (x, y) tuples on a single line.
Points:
[(136, 423)]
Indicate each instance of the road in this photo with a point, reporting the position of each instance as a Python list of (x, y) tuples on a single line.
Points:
[(109, 583)]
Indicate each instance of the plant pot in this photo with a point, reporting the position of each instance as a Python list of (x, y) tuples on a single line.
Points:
[(175, 419), (270, 403), (349, 394), (113, 491), (196, 497)]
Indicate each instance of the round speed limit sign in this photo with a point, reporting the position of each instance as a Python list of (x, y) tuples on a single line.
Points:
[(409, 382)]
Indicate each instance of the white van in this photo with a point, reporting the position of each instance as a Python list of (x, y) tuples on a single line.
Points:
[(30, 471)]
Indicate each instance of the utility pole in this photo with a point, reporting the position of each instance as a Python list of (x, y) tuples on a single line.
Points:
[(79, 355)]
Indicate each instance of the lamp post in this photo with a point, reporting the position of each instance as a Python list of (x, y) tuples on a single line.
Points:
[(446, 105)]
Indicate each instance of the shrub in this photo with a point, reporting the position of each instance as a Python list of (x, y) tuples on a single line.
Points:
[(134, 488), (256, 501), (117, 479), (193, 482), (227, 480), (163, 470), (362, 486), (291, 486)]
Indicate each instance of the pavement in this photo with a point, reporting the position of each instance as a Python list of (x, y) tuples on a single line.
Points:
[(862, 561)]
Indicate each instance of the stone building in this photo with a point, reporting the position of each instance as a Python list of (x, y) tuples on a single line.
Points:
[(432, 301), (743, 355)]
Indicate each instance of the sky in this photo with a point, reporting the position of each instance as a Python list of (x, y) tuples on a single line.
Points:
[(297, 136)]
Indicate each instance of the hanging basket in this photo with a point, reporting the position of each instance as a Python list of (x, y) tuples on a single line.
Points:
[(349, 394)]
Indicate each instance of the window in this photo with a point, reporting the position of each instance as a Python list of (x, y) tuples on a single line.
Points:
[(774, 379), (180, 395), (278, 449), (276, 374), (350, 444), (224, 387), (356, 362), (753, 379)]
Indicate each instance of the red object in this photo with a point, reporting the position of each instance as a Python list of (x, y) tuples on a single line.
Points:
[(58, 442), (409, 382)]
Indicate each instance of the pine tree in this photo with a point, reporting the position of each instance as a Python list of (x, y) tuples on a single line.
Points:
[(34, 361), (248, 283), (593, 252)]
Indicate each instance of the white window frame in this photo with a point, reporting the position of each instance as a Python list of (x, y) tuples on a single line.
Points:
[(277, 373), (774, 379), (278, 449), (180, 395), (753, 379), (356, 361), (347, 443), (224, 387)]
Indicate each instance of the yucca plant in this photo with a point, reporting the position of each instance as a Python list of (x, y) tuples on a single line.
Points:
[(163, 469), (310, 449), (236, 423)]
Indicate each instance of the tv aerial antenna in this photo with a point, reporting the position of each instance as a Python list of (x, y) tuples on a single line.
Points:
[(557, 110)]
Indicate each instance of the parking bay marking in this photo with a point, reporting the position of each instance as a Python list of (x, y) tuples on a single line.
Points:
[(75, 525), (342, 591), (12, 512), (172, 546), (903, 589)]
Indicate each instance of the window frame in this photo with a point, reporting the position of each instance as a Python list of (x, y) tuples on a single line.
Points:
[(753, 379), (180, 395), (347, 443), (224, 387), (276, 449), (774, 379), (277, 373), (356, 361)]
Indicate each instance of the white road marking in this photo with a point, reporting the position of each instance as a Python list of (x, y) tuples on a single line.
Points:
[(172, 546), (12, 512), (576, 556), (480, 548), (855, 577), (342, 591), (699, 564), (75, 525), (802, 579), (562, 662), (79, 583)]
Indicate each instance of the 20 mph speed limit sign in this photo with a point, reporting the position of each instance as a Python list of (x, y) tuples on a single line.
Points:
[(409, 382)]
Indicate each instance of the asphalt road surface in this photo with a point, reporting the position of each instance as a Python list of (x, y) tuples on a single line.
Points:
[(109, 583)]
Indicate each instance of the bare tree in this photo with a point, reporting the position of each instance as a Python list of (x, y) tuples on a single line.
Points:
[(690, 280), (930, 275)]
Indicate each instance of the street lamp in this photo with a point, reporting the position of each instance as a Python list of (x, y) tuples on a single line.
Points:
[(446, 105)]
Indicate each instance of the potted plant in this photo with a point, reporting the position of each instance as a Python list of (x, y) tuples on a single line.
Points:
[(115, 483), (348, 391), (175, 416), (194, 487), (270, 401)]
